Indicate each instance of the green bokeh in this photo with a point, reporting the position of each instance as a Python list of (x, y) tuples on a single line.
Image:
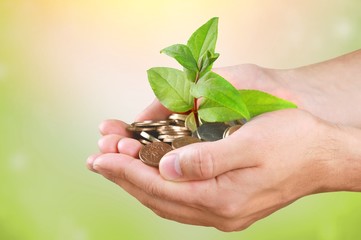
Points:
[(47, 193)]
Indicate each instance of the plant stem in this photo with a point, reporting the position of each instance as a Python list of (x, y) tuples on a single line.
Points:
[(195, 106)]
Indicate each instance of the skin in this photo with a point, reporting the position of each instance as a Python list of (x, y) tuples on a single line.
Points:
[(267, 164)]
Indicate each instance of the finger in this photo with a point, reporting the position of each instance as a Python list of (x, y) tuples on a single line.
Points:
[(167, 209), (113, 126), (113, 167), (155, 111), (129, 146), (207, 160), (147, 178), (186, 214), (90, 161), (108, 143)]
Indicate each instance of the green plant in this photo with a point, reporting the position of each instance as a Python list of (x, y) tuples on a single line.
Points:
[(179, 91)]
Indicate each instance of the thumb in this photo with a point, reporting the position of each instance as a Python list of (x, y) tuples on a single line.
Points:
[(206, 160)]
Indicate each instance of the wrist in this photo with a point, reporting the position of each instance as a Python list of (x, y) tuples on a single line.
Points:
[(344, 164), (289, 85), (317, 89)]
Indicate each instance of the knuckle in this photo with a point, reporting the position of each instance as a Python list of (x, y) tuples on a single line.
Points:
[(229, 210), (226, 227), (243, 227)]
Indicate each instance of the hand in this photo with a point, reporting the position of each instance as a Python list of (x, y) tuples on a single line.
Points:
[(247, 76), (329, 90), (270, 162)]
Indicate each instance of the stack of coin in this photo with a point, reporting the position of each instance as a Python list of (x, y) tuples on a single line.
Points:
[(170, 133), (160, 137), (160, 131)]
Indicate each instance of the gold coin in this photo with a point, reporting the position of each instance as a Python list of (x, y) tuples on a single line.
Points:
[(152, 153), (140, 129), (164, 136), (178, 116), (176, 122), (184, 141), (175, 133), (144, 142), (151, 123), (171, 138), (172, 128), (149, 137)]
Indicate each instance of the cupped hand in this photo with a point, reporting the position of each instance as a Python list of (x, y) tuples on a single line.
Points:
[(245, 76), (270, 162)]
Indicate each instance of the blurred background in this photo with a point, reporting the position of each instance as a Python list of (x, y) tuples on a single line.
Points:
[(67, 65)]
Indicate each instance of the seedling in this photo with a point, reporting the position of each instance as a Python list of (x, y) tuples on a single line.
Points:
[(179, 90)]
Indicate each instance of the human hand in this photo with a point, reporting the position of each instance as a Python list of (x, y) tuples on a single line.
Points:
[(247, 76), (270, 162), (329, 90)]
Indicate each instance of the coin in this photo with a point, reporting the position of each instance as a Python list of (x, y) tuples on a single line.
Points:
[(211, 131), (176, 122), (144, 142), (183, 141), (133, 128), (178, 116), (170, 139), (172, 128), (152, 153), (231, 130), (161, 136), (164, 136), (149, 137), (151, 123)]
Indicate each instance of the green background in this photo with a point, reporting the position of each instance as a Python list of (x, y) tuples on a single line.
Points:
[(67, 65)]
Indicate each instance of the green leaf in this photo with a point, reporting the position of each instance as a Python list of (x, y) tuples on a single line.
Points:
[(211, 111), (190, 122), (183, 55), (207, 62), (215, 88), (191, 75), (259, 102), (171, 88), (204, 39)]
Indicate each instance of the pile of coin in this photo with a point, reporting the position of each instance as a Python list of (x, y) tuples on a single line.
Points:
[(160, 131), (160, 137)]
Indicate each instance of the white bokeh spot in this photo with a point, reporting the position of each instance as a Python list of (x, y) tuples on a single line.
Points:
[(343, 29), (18, 162)]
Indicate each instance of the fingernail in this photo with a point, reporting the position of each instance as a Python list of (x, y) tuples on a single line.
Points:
[(169, 167)]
